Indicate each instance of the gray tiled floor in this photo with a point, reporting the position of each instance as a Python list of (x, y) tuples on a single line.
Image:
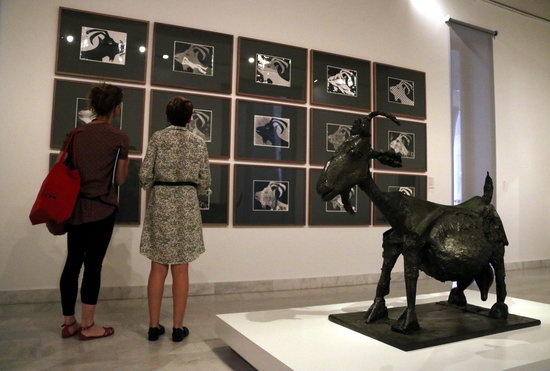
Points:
[(30, 340)]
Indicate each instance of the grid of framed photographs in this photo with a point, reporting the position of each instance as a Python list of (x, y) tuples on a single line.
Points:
[(269, 127)]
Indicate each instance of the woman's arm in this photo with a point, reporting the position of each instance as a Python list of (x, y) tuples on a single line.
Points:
[(203, 185), (147, 173), (121, 171)]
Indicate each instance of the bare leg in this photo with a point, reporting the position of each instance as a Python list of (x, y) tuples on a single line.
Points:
[(72, 323), (180, 291), (88, 312), (155, 290)]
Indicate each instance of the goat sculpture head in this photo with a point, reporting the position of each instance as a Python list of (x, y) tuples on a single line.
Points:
[(350, 165)]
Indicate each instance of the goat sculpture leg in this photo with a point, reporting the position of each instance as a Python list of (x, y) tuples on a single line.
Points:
[(391, 251), (456, 296), (499, 310), (408, 321)]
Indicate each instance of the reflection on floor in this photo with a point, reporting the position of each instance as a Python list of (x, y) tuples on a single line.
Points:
[(30, 333)]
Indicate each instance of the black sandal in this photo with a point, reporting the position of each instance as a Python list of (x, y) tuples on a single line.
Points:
[(155, 332), (178, 334)]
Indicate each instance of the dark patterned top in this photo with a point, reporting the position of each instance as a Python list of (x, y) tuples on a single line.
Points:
[(97, 145)]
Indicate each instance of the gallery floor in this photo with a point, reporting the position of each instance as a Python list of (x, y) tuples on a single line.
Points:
[(29, 333)]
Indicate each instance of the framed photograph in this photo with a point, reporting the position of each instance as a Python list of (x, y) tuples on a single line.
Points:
[(333, 212), (211, 119), (411, 185), (400, 91), (101, 46), (327, 131), (214, 207), (267, 195), (129, 194), (271, 70), (270, 132), (71, 110), (192, 59), (407, 139), (339, 81)]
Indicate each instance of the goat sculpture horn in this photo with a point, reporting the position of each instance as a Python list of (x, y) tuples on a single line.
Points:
[(362, 126)]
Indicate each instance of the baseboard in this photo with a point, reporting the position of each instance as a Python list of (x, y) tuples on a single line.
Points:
[(218, 288)]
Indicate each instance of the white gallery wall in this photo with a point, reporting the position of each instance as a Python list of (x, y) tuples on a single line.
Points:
[(399, 32)]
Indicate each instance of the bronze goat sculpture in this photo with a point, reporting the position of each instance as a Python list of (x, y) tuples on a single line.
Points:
[(459, 243)]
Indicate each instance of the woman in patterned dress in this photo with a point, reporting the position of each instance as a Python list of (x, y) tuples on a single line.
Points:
[(175, 170)]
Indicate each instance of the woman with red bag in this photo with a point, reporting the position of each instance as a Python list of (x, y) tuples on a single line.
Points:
[(100, 150)]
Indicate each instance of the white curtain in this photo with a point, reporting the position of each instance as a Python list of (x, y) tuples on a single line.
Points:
[(473, 109)]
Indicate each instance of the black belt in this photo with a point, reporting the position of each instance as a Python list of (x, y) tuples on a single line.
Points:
[(157, 183)]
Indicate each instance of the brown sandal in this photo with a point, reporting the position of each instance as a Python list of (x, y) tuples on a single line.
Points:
[(108, 331), (66, 330)]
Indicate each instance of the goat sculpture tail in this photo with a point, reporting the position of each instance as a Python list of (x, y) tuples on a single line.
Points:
[(487, 190)]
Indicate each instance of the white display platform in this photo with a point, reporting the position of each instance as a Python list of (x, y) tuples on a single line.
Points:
[(304, 339)]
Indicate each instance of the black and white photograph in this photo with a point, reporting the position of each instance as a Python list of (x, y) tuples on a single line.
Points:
[(327, 131), (400, 91), (336, 205), (71, 110), (84, 115), (106, 46), (406, 190), (402, 143), (201, 124), (333, 212), (270, 132), (211, 119), (340, 81), (408, 140), (336, 134), (410, 185), (193, 58), (101, 46), (204, 202), (269, 195), (214, 206), (271, 70)]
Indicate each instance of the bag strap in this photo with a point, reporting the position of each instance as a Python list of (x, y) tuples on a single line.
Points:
[(72, 140)]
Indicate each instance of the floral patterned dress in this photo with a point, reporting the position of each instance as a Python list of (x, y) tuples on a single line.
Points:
[(172, 231)]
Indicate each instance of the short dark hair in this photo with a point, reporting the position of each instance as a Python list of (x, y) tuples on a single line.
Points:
[(104, 98), (179, 111)]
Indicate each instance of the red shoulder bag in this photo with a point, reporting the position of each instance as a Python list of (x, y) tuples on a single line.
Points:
[(58, 193)]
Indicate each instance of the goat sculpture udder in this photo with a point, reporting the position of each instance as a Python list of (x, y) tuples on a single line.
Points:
[(459, 243)]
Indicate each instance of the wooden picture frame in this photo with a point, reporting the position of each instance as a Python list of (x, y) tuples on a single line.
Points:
[(101, 46), (332, 213), (271, 70), (340, 81), (412, 185), (211, 119), (407, 139), (269, 195), (71, 110), (190, 58), (270, 132), (400, 91)]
